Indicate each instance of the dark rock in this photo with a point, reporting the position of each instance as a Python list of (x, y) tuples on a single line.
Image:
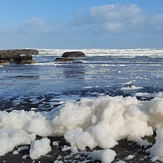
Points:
[(17, 56), (24, 58), (64, 60), (73, 54)]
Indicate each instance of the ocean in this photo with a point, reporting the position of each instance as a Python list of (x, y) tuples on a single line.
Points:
[(110, 72), (107, 91)]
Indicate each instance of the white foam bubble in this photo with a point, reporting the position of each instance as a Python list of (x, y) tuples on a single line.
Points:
[(142, 94), (129, 157), (90, 122), (131, 87), (40, 148), (106, 156)]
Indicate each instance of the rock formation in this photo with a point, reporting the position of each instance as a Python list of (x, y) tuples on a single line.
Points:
[(64, 60), (73, 54), (17, 55)]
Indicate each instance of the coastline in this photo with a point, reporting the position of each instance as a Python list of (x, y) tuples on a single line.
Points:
[(43, 87)]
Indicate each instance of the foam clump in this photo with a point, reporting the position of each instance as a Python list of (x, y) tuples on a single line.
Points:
[(90, 122), (156, 151), (106, 156), (40, 148), (10, 138), (80, 139)]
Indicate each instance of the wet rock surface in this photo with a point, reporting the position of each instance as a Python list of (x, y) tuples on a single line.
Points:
[(17, 56), (70, 56), (73, 54), (64, 60)]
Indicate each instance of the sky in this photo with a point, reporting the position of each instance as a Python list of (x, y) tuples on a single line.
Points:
[(78, 24)]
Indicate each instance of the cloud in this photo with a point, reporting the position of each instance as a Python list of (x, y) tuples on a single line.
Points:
[(114, 13), (101, 26), (118, 19), (26, 34), (110, 19), (27, 27), (157, 22), (32, 25)]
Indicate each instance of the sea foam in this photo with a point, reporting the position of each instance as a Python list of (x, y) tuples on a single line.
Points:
[(96, 122), (107, 52)]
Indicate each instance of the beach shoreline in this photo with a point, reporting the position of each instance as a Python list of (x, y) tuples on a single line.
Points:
[(103, 100), (126, 151)]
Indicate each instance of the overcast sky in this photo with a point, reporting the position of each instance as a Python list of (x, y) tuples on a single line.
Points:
[(79, 24)]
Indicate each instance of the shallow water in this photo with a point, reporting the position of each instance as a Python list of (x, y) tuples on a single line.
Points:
[(52, 82)]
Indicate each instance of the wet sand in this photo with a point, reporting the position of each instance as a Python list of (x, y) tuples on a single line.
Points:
[(123, 150)]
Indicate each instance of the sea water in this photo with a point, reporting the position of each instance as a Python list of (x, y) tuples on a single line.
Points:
[(106, 92), (100, 73)]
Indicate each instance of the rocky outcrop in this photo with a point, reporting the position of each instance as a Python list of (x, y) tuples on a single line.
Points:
[(73, 54), (69, 56), (64, 60), (17, 56)]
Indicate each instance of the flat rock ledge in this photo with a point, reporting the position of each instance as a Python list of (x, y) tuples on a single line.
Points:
[(64, 60), (73, 54), (19, 56), (69, 56)]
